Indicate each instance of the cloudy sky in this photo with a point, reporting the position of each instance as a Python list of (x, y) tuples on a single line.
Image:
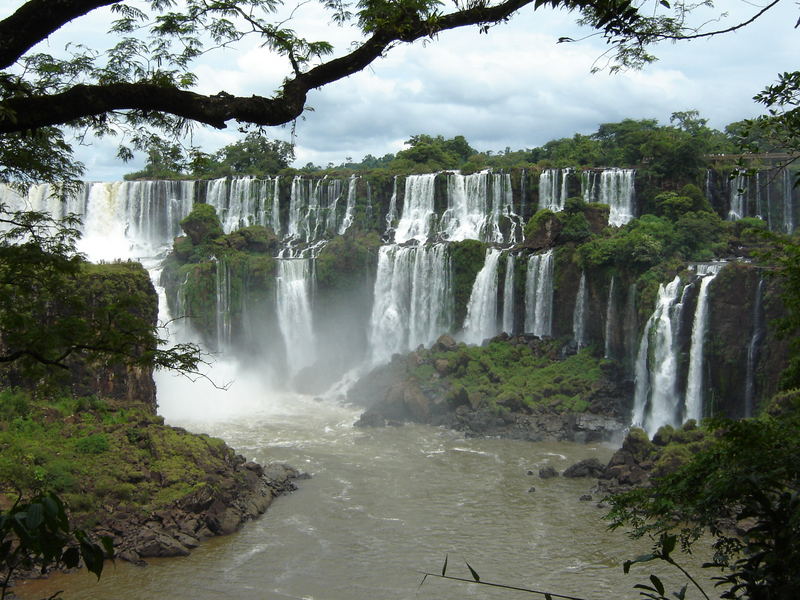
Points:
[(514, 86)]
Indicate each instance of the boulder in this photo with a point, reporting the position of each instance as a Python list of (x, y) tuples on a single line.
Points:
[(588, 467), (548, 472)]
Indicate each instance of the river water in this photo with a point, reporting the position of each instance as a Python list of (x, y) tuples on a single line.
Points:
[(381, 506)]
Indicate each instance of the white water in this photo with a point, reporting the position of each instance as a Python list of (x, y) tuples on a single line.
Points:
[(539, 294), (739, 192), (223, 304), (294, 312), (553, 189), (347, 220), (580, 313), (656, 402), (611, 313), (418, 214), (391, 215), (694, 383), (508, 295), (617, 190), (412, 302), (788, 203), (481, 320)]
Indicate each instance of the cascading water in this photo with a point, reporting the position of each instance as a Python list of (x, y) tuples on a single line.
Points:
[(753, 348), (347, 220), (391, 215), (655, 401), (788, 204), (467, 200), (412, 299), (477, 204), (617, 191), (553, 189), (611, 316), (579, 315), (223, 304), (694, 384), (539, 294), (481, 320), (293, 286), (418, 214), (508, 295), (739, 188)]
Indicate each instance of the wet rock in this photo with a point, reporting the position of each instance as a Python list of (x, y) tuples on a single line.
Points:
[(589, 467), (548, 472), (445, 343), (585, 498), (531, 489)]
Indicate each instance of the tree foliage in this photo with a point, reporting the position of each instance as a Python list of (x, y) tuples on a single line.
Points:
[(36, 533), (744, 490)]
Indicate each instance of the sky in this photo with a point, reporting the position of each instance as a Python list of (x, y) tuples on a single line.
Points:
[(513, 87)]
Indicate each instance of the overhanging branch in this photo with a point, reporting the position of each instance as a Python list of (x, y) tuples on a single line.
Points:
[(36, 20), (82, 101)]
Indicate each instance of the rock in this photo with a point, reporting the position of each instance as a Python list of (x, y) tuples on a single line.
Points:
[(445, 343), (531, 489), (547, 472), (589, 467), (585, 498)]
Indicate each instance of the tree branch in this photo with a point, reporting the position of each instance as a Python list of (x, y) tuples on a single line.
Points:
[(81, 101), (37, 19), (727, 30)]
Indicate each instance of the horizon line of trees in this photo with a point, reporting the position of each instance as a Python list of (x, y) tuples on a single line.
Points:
[(677, 149)]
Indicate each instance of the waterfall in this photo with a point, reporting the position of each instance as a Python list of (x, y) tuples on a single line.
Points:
[(412, 302), (223, 304), (694, 384), (579, 314), (753, 348), (617, 191), (481, 320), (391, 215), (523, 192), (611, 314), (476, 205), (655, 401), (347, 221), (418, 214), (502, 206), (276, 209), (553, 189), (467, 200), (788, 212), (539, 294), (508, 295), (294, 285), (738, 196)]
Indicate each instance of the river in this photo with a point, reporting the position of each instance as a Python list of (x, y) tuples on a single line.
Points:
[(382, 505)]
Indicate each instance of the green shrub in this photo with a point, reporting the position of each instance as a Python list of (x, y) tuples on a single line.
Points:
[(96, 443)]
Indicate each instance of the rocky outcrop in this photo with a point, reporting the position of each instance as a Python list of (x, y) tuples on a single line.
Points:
[(436, 387), (243, 493)]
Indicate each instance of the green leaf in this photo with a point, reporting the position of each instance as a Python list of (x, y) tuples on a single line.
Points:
[(668, 544), (35, 516), (474, 573), (657, 584)]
